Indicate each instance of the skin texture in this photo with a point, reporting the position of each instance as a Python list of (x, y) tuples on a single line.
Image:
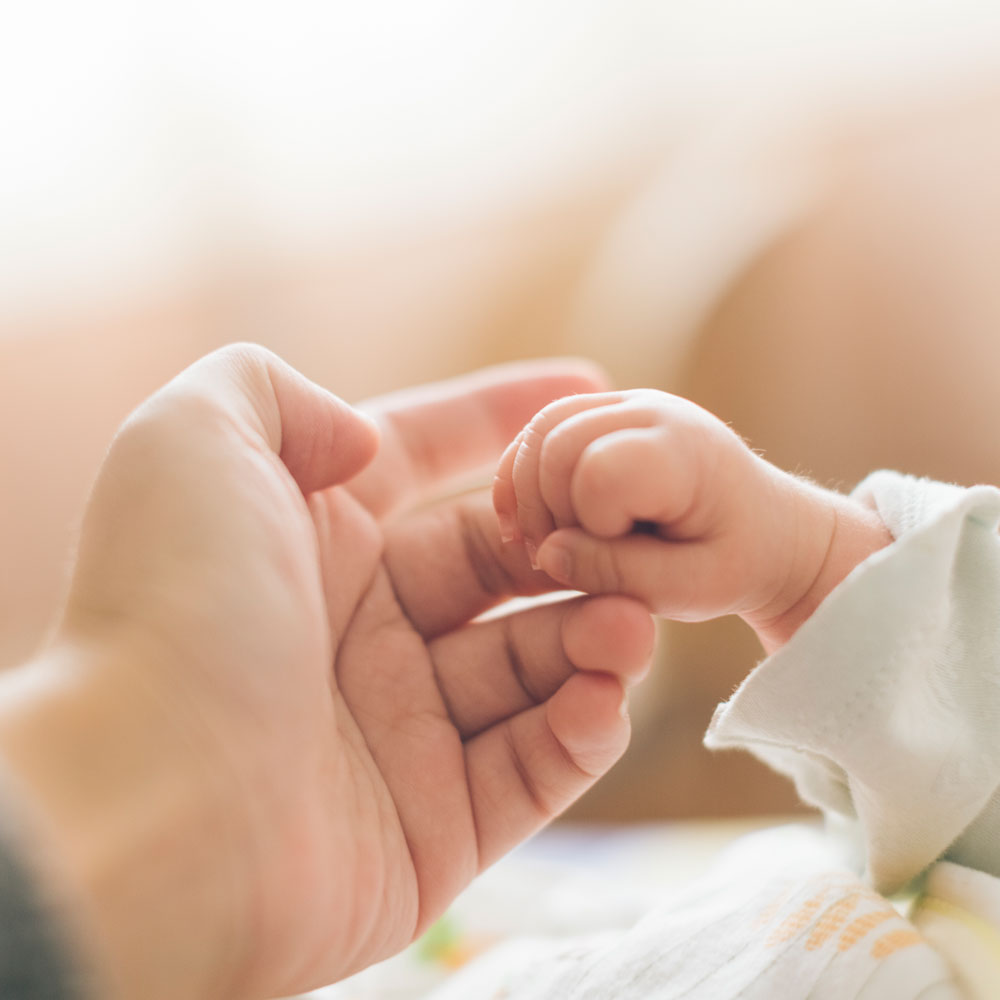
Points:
[(268, 742), (647, 494)]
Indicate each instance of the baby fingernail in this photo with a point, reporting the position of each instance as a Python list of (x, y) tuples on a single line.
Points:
[(532, 549), (623, 707), (508, 527)]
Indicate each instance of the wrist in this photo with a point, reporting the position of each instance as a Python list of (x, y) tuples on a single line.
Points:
[(123, 827), (829, 534)]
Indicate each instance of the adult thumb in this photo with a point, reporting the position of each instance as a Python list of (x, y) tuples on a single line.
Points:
[(320, 439)]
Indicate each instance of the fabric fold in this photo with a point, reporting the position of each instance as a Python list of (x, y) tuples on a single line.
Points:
[(884, 706)]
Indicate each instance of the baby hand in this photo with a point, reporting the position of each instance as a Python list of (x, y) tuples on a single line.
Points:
[(644, 493)]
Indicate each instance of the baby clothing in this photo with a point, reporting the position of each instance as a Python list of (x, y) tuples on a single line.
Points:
[(958, 914), (779, 917), (35, 960), (884, 707)]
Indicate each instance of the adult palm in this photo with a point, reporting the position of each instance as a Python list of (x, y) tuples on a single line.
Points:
[(355, 743)]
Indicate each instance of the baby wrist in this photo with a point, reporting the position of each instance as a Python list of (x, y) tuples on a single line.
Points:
[(835, 534)]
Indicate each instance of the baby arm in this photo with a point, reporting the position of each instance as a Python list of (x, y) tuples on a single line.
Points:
[(644, 493)]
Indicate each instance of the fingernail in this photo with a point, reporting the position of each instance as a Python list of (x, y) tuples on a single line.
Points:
[(532, 549), (508, 527), (557, 564)]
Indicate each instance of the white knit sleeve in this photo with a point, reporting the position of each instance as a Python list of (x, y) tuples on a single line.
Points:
[(884, 708)]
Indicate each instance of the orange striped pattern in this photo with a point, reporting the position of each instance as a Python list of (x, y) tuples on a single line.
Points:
[(895, 941), (858, 928), (831, 921), (797, 921)]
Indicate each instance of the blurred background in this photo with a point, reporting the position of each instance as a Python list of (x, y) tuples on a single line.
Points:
[(786, 209)]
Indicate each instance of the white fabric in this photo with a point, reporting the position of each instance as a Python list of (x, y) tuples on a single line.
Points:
[(780, 917), (959, 916), (885, 706)]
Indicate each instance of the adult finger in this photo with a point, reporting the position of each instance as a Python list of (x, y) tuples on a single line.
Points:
[(687, 581), (438, 433), (448, 564), (492, 670), (525, 770), (320, 438)]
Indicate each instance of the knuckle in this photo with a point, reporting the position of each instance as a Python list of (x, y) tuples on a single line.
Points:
[(249, 365), (653, 398), (558, 450), (546, 421), (530, 448), (244, 353)]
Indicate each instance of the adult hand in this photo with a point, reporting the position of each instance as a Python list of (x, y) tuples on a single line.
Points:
[(270, 742)]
